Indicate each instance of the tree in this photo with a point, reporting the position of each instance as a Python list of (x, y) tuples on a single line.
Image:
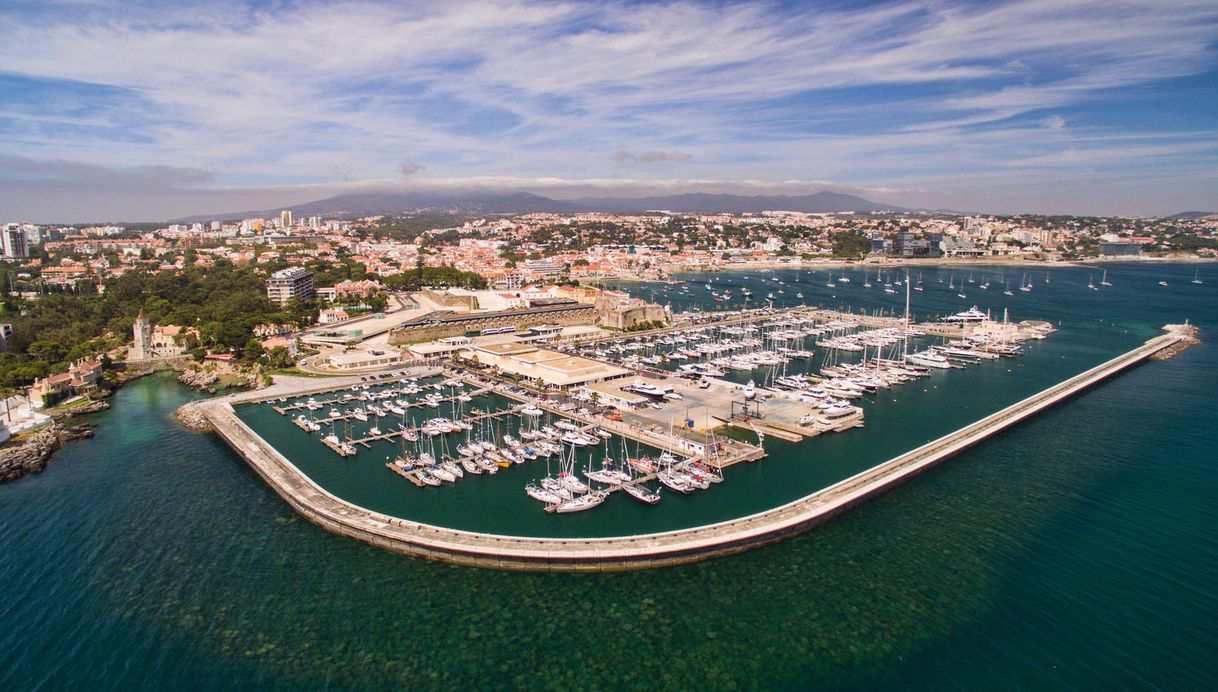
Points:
[(278, 357), (851, 245), (252, 350)]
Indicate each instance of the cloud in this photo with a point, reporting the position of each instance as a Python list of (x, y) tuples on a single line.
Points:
[(879, 95), (622, 157), (410, 168), (18, 168)]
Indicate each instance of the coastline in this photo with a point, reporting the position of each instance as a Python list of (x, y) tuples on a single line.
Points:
[(32, 452), (883, 262)]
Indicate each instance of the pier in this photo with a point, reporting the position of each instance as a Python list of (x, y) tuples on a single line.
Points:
[(392, 434), (649, 550), (730, 452)]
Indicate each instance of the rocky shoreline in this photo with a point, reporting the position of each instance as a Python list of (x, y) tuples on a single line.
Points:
[(91, 407), (30, 453), (201, 380), (191, 417)]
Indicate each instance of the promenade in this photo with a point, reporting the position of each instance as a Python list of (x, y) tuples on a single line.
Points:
[(647, 550)]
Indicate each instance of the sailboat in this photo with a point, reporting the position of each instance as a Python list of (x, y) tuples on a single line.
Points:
[(1197, 278), (1007, 291), (1104, 279), (1024, 285), (960, 293), (917, 286), (1091, 283)]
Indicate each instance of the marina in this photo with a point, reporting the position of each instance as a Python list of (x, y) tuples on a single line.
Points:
[(677, 413), (670, 548), (488, 441)]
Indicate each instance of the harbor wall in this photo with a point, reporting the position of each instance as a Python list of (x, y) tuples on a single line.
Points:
[(648, 550)]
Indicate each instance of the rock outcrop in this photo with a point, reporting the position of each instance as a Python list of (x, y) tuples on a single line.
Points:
[(30, 453), (91, 407), (191, 417), (201, 380)]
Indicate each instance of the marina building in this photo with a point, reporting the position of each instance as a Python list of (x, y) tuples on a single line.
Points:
[(609, 394), (543, 366), (371, 358)]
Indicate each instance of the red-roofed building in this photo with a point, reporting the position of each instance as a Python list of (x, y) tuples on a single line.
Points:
[(81, 377)]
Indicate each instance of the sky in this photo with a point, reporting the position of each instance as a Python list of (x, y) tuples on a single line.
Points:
[(140, 110)]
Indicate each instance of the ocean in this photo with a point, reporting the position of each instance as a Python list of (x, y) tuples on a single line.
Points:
[(1077, 550)]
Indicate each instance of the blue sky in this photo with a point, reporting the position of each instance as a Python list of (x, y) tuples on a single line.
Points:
[(142, 110)]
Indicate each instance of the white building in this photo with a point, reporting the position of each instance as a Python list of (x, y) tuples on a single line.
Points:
[(15, 245), (286, 284)]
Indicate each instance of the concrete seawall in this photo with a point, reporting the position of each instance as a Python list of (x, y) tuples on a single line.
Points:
[(647, 550)]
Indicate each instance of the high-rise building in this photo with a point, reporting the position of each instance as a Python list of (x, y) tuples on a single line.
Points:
[(14, 242), (286, 284), (33, 234), (285, 218)]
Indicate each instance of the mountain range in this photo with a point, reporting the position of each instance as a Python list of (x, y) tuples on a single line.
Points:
[(369, 204)]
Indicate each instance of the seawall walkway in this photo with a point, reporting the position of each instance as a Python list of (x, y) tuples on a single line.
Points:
[(647, 550)]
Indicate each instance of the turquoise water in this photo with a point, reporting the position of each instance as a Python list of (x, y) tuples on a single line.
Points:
[(1077, 550)]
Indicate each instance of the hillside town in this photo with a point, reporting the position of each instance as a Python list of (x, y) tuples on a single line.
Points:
[(344, 294)]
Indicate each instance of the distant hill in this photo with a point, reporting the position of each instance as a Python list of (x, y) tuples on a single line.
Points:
[(1193, 215), (374, 203), (820, 202), (369, 204)]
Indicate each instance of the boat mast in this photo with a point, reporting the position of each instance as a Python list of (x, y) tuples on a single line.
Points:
[(905, 338)]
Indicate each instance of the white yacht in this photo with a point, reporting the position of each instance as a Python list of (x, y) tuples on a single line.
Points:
[(973, 314), (929, 359), (582, 502)]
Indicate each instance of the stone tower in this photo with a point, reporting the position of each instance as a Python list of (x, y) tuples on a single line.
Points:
[(143, 337)]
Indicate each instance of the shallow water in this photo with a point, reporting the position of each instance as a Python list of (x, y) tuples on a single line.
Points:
[(1076, 550)]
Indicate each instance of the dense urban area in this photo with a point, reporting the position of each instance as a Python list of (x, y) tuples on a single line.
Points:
[(241, 293)]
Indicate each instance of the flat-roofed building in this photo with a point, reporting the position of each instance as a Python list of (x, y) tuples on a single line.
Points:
[(1119, 249), (611, 394), (358, 360), (440, 348), (544, 366), (286, 284)]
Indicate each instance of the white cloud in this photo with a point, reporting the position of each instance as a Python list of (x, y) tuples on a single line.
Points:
[(319, 92)]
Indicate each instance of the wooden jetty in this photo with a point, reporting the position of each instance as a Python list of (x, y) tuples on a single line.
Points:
[(408, 475)]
